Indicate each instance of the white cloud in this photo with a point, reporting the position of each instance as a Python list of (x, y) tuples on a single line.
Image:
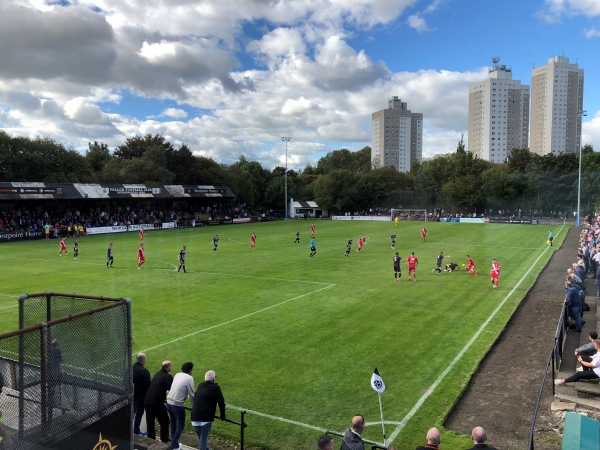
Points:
[(591, 132), (557, 8), (591, 33), (68, 70), (175, 113), (418, 23)]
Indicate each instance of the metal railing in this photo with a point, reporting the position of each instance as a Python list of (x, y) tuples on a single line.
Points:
[(242, 424), (554, 359)]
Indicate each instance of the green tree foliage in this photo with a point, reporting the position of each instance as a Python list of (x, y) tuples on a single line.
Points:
[(40, 159), (381, 187), (356, 162), (134, 171), (258, 176), (209, 172), (275, 194), (97, 156), (184, 166), (338, 190), (136, 146)]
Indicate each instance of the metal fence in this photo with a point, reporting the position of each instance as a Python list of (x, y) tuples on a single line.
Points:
[(554, 360), (67, 367)]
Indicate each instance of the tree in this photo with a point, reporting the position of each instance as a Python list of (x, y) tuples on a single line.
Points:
[(258, 176), (136, 146), (381, 187), (520, 159), (337, 190), (136, 171), (356, 162), (465, 193), (183, 165), (97, 156)]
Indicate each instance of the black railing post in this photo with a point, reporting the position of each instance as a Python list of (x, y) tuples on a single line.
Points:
[(243, 422)]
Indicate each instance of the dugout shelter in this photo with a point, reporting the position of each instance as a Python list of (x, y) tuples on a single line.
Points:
[(66, 374)]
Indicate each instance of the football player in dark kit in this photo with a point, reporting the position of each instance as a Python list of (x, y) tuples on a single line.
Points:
[(440, 260), (182, 260), (109, 256), (348, 247), (397, 269)]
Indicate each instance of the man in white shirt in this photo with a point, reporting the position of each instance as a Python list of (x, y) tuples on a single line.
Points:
[(182, 388)]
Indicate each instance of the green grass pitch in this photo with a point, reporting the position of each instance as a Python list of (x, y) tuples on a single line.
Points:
[(295, 340)]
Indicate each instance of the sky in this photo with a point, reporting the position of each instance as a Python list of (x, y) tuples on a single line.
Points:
[(232, 77)]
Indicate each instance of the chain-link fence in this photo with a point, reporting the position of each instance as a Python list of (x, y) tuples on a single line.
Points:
[(67, 367)]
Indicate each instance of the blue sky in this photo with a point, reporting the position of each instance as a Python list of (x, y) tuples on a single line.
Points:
[(230, 77)]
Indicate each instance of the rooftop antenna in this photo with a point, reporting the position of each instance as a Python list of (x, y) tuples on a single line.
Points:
[(495, 61)]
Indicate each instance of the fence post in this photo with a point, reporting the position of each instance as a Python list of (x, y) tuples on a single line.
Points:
[(242, 426)]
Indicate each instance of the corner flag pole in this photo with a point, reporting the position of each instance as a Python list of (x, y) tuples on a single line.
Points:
[(382, 424), (379, 386)]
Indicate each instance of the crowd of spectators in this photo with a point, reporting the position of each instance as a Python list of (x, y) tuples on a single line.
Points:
[(35, 217), (586, 265), (352, 440)]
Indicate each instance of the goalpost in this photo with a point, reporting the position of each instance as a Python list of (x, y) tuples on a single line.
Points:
[(409, 214)]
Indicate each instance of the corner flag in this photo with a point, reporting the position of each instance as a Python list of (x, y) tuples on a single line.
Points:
[(376, 382)]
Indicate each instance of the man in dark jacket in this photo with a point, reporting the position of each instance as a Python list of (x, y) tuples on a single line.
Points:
[(141, 383), (479, 438), (352, 439), (155, 402), (208, 396), (573, 302)]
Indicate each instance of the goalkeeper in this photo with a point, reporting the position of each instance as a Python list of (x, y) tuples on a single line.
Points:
[(451, 267)]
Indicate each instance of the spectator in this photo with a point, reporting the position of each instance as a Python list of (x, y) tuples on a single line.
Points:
[(586, 361), (141, 383), (573, 303), (479, 438), (182, 388), (352, 439), (433, 440), (208, 396), (155, 402), (325, 442), (588, 349)]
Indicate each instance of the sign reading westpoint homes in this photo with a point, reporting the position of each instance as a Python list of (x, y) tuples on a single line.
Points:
[(20, 235), (205, 190)]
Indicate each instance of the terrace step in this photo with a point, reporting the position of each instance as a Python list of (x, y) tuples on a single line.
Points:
[(568, 394)]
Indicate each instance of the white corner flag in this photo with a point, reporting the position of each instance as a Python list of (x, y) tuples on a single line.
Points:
[(376, 382)]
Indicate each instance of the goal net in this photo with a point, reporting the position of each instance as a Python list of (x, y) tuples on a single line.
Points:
[(409, 214)]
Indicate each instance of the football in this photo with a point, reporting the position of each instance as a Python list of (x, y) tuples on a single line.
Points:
[(464, 265)]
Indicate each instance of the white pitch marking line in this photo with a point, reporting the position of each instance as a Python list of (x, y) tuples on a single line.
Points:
[(458, 357), (262, 278), (11, 306), (236, 319), (295, 422)]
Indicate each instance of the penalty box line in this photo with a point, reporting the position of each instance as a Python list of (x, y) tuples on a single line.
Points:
[(460, 354), (245, 316)]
